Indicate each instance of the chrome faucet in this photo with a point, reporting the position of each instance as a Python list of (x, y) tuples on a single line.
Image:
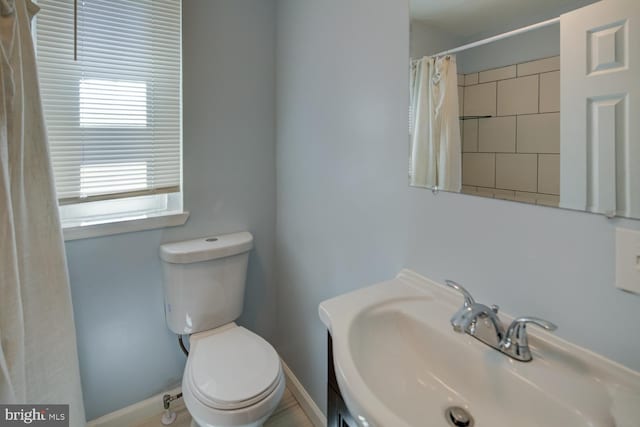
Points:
[(482, 322)]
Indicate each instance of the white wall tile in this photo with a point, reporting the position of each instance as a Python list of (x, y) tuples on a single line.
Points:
[(539, 66), (470, 136), (549, 174), (471, 79), (526, 197), (537, 198), (460, 100), (480, 100), (518, 96), (548, 200), (495, 193), (539, 133), (478, 169), (497, 74), (504, 194), (460, 79), (517, 172), (550, 92), (486, 192), (468, 189), (497, 135)]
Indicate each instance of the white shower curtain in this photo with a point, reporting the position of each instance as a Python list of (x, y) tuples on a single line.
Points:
[(436, 159), (38, 354)]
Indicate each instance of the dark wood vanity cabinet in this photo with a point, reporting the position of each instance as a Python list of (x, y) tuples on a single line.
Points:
[(337, 413)]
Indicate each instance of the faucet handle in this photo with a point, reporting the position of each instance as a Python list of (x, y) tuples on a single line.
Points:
[(468, 299), (516, 340), (521, 323)]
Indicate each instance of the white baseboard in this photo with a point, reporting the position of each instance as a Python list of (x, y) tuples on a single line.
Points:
[(136, 413), (141, 411), (315, 415)]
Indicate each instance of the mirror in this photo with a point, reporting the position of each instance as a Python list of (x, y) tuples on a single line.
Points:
[(495, 112)]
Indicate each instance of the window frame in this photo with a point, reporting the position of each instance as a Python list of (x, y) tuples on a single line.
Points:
[(129, 213)]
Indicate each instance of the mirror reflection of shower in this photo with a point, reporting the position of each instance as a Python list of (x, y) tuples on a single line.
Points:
[(509, 98)]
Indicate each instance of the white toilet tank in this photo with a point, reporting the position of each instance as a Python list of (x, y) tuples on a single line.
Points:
[(204, 281)]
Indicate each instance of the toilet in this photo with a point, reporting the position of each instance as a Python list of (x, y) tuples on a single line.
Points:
[(232, 377)]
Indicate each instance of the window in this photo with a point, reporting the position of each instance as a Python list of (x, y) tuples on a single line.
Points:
[(113, 103), (114, 114)]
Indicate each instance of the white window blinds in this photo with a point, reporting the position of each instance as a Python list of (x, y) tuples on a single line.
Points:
[(113, 116)]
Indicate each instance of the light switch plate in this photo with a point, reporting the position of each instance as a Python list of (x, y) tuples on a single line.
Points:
[(628, 260)]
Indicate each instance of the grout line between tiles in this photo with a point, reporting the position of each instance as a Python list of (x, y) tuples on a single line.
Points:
[(497, 94), (511, 78), (537, 173), (517, 134), (527, 114), (539, 91)]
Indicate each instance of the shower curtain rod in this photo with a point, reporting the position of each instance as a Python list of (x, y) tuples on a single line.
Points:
[(500, 36)]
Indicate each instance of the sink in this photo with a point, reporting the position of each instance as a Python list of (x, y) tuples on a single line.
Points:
[(399, 363)]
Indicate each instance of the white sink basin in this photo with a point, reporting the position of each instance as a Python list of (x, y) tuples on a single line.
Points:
[(399, 363)]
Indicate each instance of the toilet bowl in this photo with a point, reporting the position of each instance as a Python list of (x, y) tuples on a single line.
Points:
[(233, 377)]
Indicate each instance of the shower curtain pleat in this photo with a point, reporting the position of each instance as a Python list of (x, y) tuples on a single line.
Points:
[(38, 353), (423, 171), (436, 159)]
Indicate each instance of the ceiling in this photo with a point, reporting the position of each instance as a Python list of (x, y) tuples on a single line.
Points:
[(468, 18)]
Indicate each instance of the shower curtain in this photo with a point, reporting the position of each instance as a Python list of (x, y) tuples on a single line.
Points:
[(38, 354), (436, 159)]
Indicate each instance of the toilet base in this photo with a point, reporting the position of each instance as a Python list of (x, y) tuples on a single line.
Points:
[(258, 424)]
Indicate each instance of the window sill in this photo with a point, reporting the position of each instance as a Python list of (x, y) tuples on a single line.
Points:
[(124, 225)]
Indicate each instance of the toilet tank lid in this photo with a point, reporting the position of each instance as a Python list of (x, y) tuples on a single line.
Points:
[(206, 248)]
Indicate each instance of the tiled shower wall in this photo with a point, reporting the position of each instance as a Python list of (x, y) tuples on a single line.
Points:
[(515, 154)]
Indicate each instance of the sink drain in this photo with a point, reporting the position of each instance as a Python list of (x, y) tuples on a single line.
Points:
[(458, 417)]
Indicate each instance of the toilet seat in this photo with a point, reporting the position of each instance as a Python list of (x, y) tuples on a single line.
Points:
[(231, 368)]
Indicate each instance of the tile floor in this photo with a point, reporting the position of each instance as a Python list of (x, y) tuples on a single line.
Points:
[(287, 414)]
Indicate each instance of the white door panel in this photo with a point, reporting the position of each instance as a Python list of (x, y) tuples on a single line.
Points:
[(600, 111)]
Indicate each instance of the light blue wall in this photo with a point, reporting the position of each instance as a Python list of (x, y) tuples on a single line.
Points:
[(342, 159), (428, 40), (503, 24), (538, 44), (126, 351), (425, 40), (347, 218)]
